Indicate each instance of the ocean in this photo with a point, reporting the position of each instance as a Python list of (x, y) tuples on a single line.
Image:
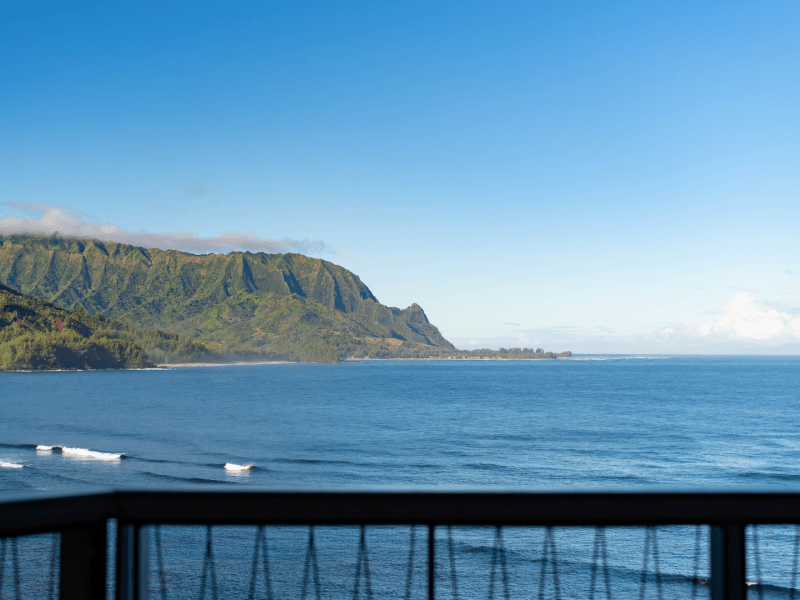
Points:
[(591, 423)]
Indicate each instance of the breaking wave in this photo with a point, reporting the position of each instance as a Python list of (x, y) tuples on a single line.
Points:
[(234, 468), (80, 452), (10, 465)]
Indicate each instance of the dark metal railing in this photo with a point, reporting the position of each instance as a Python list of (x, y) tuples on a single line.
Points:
[(82, 521)]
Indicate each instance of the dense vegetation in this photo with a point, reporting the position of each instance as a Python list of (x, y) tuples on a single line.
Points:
[(378, 351), (242, 305), (512, 354), (36, 335)]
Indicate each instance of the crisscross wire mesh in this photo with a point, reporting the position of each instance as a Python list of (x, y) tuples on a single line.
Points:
[(450, 551), (499, 561), (209, 569), (651, 540), (162, 577), (549, 557), (311, 566), (410, 573), (260, 546), (600, 551), (363, 559)]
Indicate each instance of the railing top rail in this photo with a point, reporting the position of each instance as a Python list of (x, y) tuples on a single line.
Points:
[(459, 508), (54, 512), (183, 506)]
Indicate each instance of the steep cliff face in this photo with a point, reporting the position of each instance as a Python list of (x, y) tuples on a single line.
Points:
[(104, 276), (238, 298)]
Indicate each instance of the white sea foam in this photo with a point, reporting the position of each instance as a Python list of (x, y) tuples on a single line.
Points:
[(84, 453), (238, 468), (81, 452), (53, 449), (10, 465)]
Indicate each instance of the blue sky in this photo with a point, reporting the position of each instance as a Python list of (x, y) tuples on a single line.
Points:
[(600, 177)]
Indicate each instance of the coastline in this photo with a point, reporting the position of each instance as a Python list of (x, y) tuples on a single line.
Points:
[(161, 366), (351, 359), (228, 364)]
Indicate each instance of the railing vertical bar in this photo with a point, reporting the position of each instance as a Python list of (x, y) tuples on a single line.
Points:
[(83, 563), (431, 563), (728, 562), (133, 562), (125, 557)]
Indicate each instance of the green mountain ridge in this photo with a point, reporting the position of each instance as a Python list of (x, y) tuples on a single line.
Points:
[(277, 306)]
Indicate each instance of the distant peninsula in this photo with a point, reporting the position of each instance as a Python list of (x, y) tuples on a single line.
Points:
[(177, 307)]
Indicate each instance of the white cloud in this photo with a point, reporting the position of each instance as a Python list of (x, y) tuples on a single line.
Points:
[(47, 220), (744, 325), (745, 318)]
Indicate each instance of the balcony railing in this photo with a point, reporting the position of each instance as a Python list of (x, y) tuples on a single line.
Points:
[(81, 551)]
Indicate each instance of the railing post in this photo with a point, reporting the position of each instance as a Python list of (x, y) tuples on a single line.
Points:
[(133, 562), (431, 563), (83, 563), (728, 562)]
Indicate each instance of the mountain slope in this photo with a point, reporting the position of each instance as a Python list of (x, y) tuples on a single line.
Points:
[(279, 305), (36, 335)]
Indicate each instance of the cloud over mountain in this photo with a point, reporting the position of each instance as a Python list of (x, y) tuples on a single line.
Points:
[(47, 220)]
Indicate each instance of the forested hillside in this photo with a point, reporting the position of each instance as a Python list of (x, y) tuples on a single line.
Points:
[(36, 335)]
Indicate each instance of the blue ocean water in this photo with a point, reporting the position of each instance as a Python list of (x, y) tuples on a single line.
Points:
[(715, 422), (591, 423)]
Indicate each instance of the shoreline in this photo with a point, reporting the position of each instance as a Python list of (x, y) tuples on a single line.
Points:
[(229, 364), (347, 360), (460, 358)]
